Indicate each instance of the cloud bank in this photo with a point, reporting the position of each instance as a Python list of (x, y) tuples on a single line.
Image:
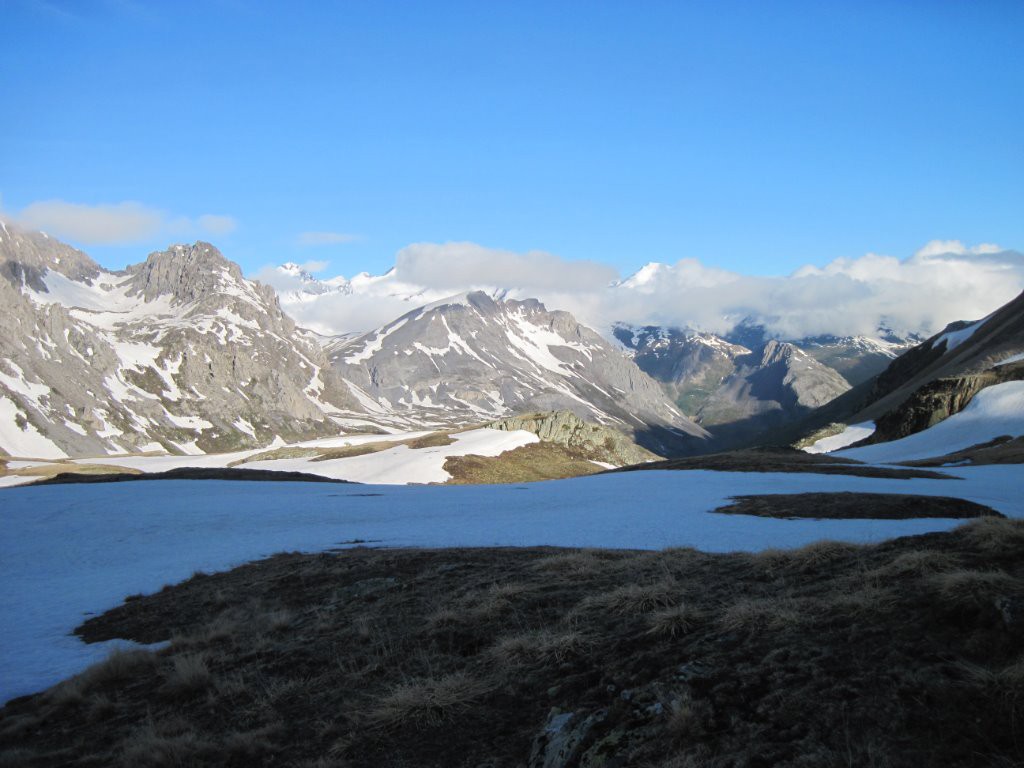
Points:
[(942, 282), (115, 223)]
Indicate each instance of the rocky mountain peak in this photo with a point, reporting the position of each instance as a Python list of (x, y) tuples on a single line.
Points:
[(26, 257), (187, 273), (474, 356), (778, 352)]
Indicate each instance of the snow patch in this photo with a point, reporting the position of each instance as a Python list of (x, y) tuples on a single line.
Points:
[(852, 434), (995, 411)]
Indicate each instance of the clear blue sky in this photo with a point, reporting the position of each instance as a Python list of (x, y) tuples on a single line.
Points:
[(754, 136)]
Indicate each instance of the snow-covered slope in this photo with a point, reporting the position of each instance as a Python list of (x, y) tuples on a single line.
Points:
[(994, 412), (854, 433), (471, 357)]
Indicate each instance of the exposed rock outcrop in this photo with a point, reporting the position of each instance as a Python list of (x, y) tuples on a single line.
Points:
[(597, 442)]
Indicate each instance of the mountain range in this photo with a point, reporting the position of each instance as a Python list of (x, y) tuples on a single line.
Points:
[(182, 354)]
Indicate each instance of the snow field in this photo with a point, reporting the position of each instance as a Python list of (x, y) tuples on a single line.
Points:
[(69, 551), (852, 434), (995, 411)]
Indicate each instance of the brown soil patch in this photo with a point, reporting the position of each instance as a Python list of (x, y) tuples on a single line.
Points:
[(902, 654), (783, 460), (528, 463), (854, 506), (190, 473)]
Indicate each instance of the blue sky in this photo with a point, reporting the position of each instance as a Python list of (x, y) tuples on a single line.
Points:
[(755, 137)]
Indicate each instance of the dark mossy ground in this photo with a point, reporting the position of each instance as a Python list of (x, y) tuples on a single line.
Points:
[(854, 506), (784, 460), (908, 653)]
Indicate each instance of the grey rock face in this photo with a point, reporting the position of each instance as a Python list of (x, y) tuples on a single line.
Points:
[(782, 381), (720, 382), (566, 428), (474, 358), (180, 353)]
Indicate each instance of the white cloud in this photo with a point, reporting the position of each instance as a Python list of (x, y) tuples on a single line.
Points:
[(921, 294), (955, 248), (939, 284), (466, 265), (325, 238), (115, 223)]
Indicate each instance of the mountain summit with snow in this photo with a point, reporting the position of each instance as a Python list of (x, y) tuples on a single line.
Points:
[(473, 357), (179, 353)]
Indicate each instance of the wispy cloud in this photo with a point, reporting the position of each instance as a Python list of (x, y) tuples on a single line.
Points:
[(325, 238), (93, 224), (116, 223), (217, 224)]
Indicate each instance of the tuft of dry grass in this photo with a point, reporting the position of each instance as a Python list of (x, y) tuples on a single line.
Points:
[(674, 621), (162, 747), (495, 600), (918, 562), (805, 559), (580, 562), (964, 587), (120, 666), (1008, 679), (748, 614), (995, 535), (633, 599), (427, 701), (860, 601), (279, 620), (188, 674), (539, 646)]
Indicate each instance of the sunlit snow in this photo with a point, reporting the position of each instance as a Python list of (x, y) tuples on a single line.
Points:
[(852, 434), (995, 411)]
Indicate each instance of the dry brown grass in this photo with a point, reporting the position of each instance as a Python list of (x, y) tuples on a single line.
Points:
[(996, 535), (633, 599), (1007, 680), (120, 666), (539, 647), (427, 701), (188, 674), (916, 563), (753, 613), (149, 747), (581, 561), (963, 587), (674, 621), (860, 601), (441, 658)]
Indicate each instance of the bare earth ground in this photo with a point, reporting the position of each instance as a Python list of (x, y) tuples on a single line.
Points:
[(907, 653), (188, 473), (782, 460), (854, 506)]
